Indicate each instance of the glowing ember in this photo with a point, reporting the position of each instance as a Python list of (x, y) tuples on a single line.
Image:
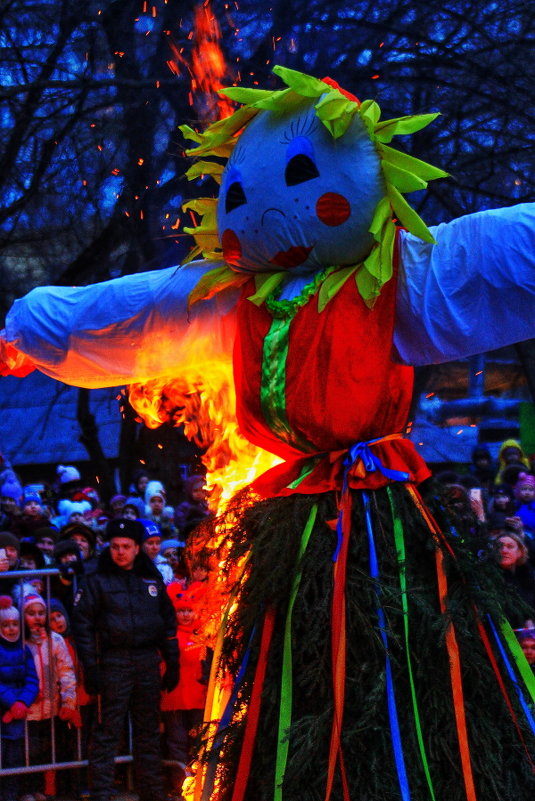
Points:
[(208, 69), (208, 65)]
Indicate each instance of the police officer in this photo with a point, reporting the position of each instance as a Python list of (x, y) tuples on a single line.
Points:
[(124, 624)]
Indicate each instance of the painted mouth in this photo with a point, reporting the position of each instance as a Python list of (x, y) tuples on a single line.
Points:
[(292, 257)]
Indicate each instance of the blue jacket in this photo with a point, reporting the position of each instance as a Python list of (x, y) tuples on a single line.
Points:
[(18, 682)]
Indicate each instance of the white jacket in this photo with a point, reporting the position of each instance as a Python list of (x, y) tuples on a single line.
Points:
[(57, 680)]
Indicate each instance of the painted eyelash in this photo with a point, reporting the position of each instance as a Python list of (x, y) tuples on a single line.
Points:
[(302, 126)]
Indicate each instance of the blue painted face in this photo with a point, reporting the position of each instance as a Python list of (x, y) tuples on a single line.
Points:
[(294, 198)]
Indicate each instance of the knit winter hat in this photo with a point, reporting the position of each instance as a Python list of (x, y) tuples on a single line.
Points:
[(117, 499), (151, 529), (55, 605), (32, 598), (29, 548), (29, 496), (87, 494), (11, 490), (8, 612), (171, 544), (79, 507), (67, 473), (46, 531), (137, 504), (524, 480), (154, 489), (121, 527), (66, 546), (189, 598), (10, 540), (525, 634)]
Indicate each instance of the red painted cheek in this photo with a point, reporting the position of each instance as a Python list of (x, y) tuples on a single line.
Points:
[(333, 209), (231, 245)]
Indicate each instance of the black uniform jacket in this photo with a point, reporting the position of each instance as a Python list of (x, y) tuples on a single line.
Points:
[(118, 611)]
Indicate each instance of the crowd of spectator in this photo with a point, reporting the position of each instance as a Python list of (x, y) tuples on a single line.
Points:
[(497, 502), (57, 545), (49, 686)]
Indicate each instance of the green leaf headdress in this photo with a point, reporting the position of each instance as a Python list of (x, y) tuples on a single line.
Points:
[(335, 108)]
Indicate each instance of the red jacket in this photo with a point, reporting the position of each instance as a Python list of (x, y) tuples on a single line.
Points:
[(190, 692)]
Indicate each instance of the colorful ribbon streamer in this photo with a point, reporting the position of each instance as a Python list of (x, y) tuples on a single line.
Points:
[(338, 644), (390, 694), (456, 682), (511, 673), (253, 713), (285, 711), (217, 692), (224, 721), (400, 549)]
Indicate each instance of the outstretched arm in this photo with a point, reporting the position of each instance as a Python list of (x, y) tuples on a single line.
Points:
[(132, 328), (472, 292)]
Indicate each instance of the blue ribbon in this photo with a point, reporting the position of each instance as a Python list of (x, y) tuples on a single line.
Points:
[(362, 451), (512, 675), (224, 722), (390, 695), (371, 462)]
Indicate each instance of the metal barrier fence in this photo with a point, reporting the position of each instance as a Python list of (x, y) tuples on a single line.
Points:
[(56, 762)]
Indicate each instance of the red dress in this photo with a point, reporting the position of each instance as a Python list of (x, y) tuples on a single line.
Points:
[(341, 386)]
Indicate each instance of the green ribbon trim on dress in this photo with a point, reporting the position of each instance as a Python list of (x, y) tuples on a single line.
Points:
[(400, 549), (285, 711), (522, 664), (306, 470), (273, 383)]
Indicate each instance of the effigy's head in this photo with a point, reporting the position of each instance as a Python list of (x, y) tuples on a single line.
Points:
[(294, 198), (310, 182)]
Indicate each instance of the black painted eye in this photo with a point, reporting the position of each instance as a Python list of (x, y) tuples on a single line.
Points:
[(299, 169), (235, 197)]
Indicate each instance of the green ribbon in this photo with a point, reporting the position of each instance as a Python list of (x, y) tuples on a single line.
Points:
[(400, 549), (273, 384), (285, 711), (517, 653)]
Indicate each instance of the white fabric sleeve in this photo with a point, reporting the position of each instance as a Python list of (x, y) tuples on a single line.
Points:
[(472, 292), (128, 329)]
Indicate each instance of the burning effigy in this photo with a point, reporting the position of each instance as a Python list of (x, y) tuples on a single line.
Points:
[(364, 652)]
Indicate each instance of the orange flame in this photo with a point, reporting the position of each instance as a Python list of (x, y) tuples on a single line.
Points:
[(203, 399)]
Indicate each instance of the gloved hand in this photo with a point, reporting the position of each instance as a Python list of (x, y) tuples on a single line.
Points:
[(93, 681), (70, 569), (171, 676), (17, 711), (172, 670), (71, 715), (206, 665)]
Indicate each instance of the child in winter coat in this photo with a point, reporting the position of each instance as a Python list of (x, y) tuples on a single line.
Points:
[(19, 687), (183, 708), (68, 747), (524, 492), (57, 695), (156, 511)]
